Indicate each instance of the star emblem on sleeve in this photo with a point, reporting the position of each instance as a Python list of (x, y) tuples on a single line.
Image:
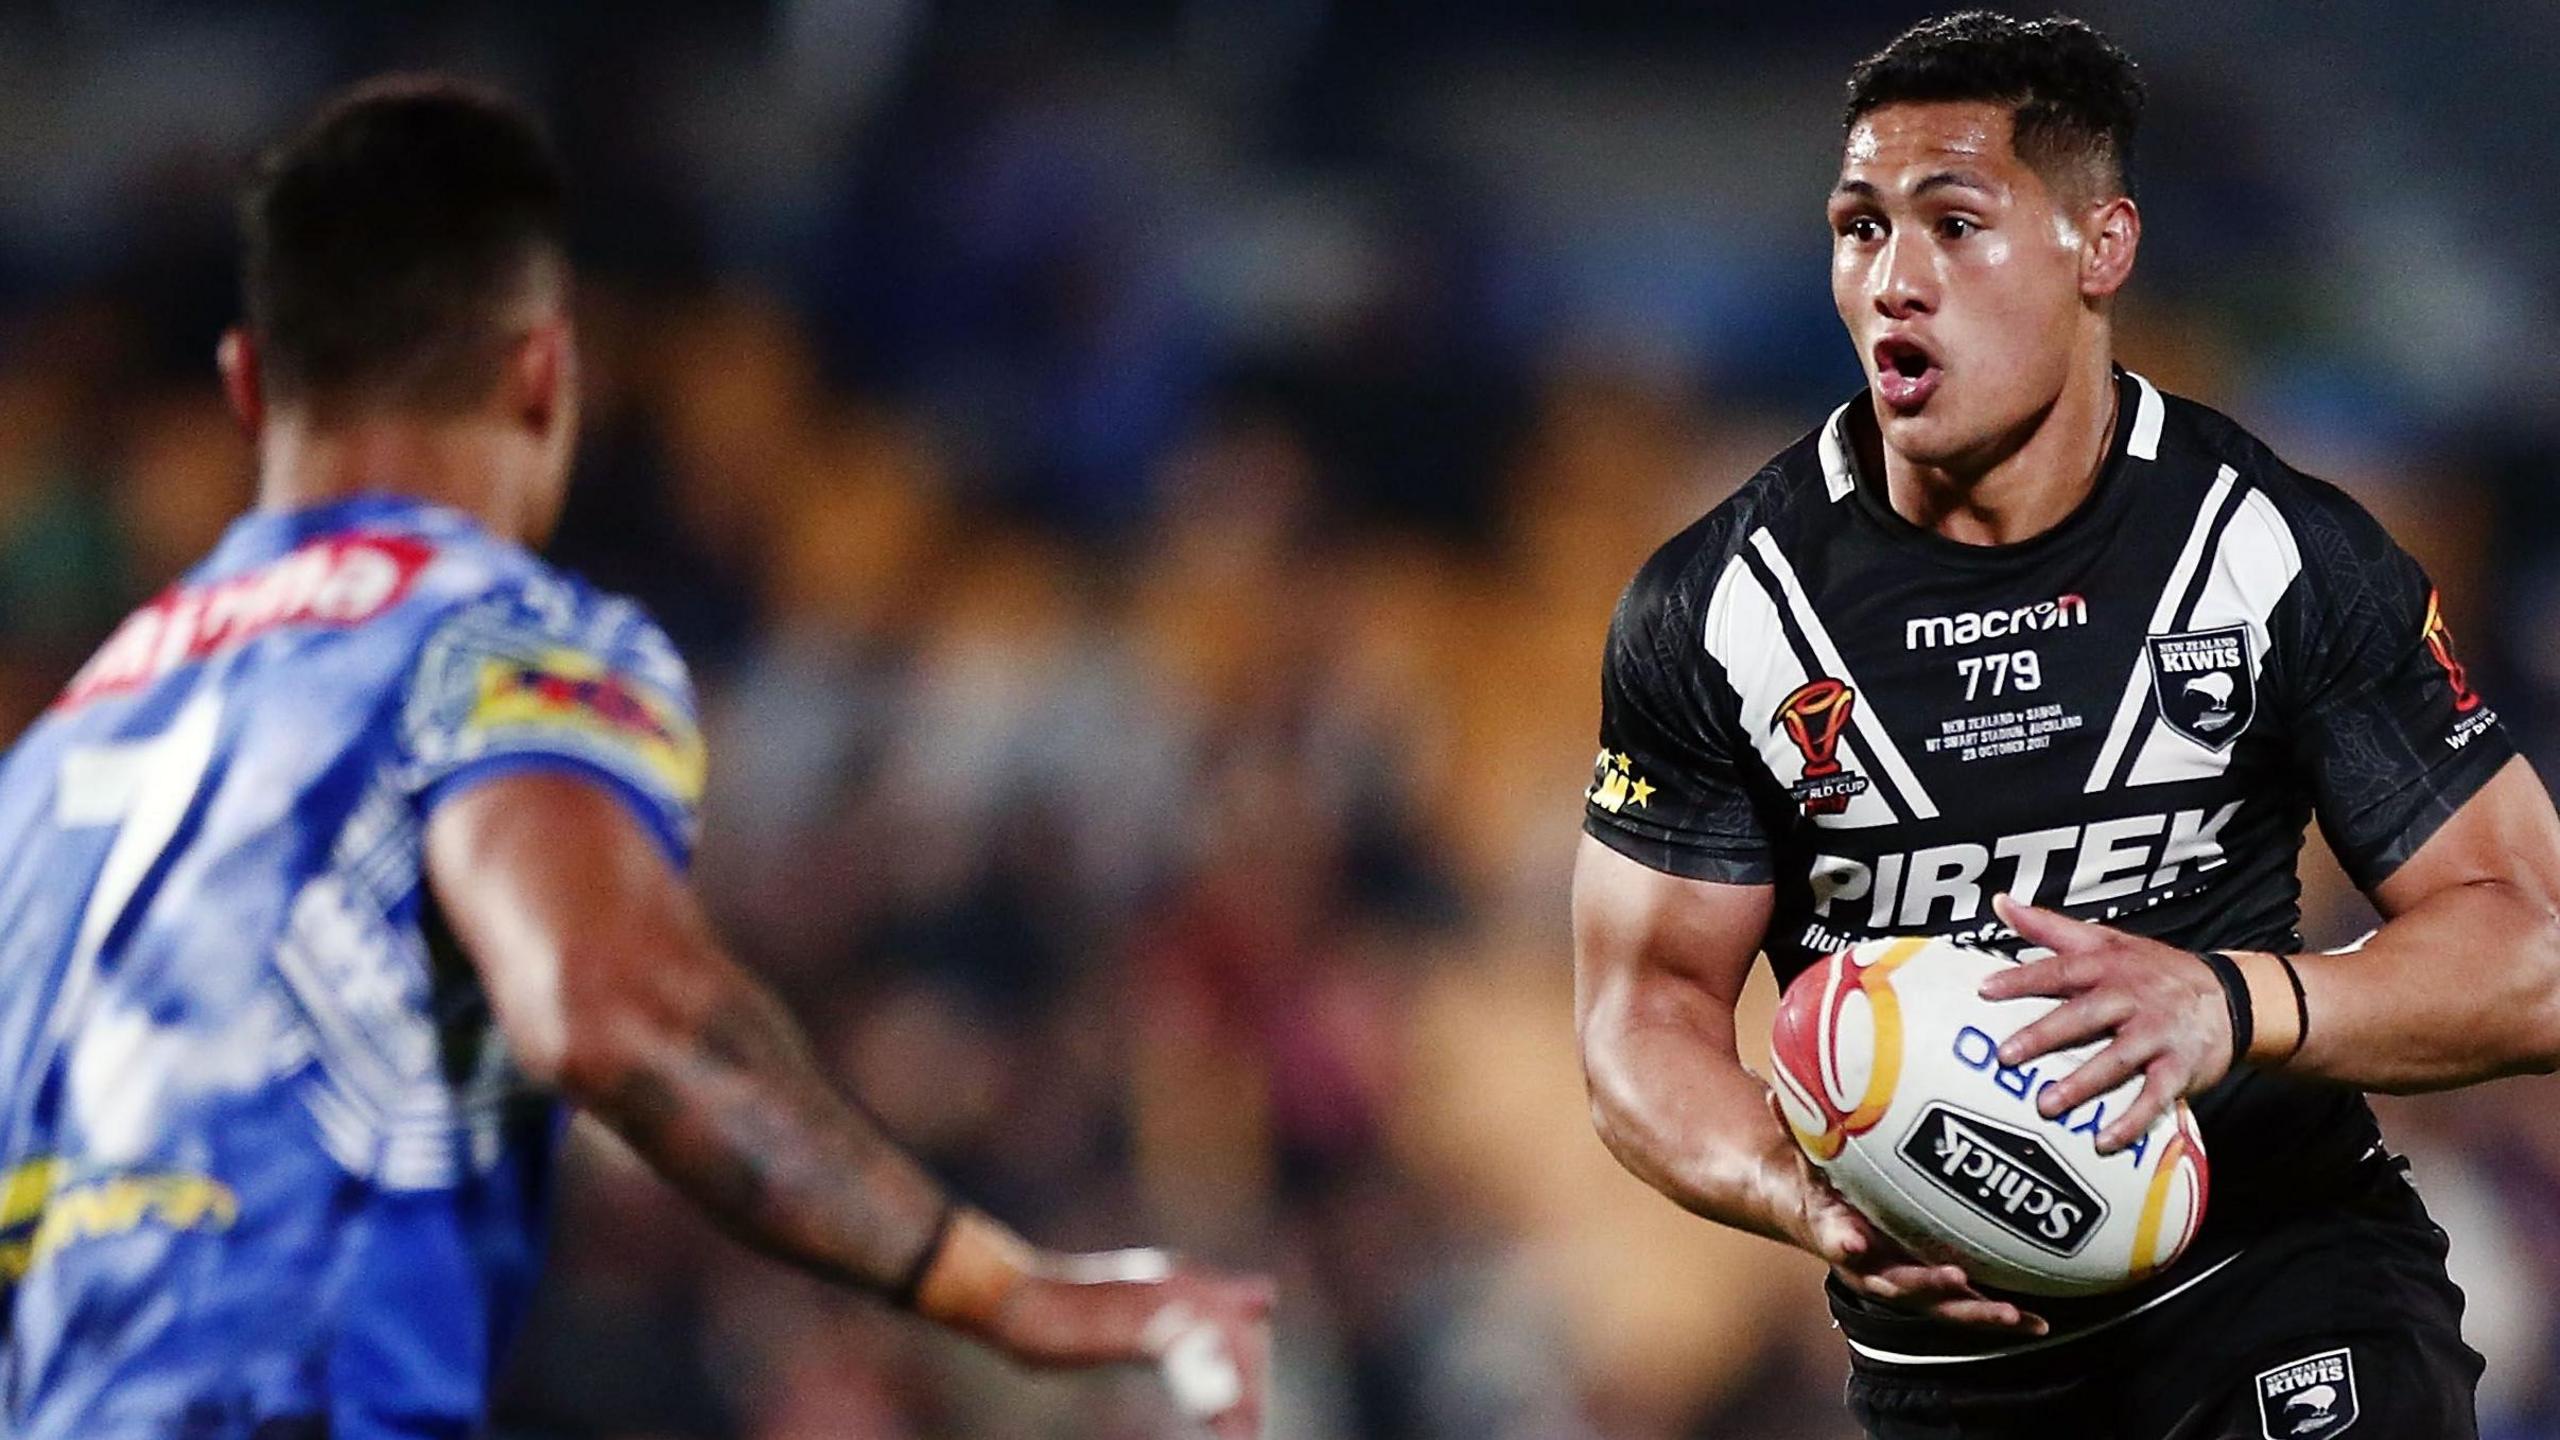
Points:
[(1615, 784)]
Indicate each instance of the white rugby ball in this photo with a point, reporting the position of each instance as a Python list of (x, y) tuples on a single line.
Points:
[(1888, 1074)]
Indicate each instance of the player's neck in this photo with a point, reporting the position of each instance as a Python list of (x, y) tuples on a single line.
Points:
[(459, 463), (2025, 487)]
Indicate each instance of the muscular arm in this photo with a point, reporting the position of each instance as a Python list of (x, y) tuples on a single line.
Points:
[(610, 987), (2461, 984), (605, 977), (1658, 963)]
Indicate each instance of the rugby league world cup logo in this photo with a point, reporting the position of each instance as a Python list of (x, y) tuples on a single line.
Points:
[(2439, 639), (1814, 717)]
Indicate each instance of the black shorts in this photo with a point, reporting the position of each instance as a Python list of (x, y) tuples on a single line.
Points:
[(2340, 1323)]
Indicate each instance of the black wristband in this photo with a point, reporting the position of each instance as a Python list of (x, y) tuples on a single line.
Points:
[(2301, 1006), (903, 1294), (2235, 998)]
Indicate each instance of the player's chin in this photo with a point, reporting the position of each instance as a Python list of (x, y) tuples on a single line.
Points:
[(1927, 436)]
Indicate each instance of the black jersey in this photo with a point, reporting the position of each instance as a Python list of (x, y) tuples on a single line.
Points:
[(2129, 717)]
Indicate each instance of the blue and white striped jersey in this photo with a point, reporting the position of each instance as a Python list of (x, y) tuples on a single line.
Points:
[(265, 1166)]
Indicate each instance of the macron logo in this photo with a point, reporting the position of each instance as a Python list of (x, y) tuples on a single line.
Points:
[(1929, 632)]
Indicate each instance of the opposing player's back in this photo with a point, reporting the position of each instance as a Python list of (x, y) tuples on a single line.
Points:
[(365, 839), (240, 1069)]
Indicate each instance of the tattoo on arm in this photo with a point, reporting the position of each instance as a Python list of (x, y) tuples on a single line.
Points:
[(729, 1106)]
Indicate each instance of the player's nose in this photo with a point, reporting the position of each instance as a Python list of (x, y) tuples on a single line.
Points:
[(1901, 285)]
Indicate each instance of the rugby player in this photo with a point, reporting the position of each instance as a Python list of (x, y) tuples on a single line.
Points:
[(2016, 648), (352, 855)]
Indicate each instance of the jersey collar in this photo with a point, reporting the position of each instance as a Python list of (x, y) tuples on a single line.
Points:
[(2139, 417), (262, 535)]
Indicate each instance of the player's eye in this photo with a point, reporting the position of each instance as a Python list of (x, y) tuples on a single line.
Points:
[(1865, 229), (1956, 227)]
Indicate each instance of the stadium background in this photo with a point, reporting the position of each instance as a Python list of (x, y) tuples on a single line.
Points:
[(1142, 485)]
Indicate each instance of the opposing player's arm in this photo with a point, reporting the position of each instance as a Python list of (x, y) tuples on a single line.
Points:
[(609, 985)]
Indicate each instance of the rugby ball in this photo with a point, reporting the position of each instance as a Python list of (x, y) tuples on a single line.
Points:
[(1888, 1073)]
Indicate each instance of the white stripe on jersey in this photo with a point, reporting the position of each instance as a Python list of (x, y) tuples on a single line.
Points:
[(2252, 568), (379, 1095), (2138, 683), (1866, 719), (2148, 416), (1896, 1357), (1837, 478), (1744, 635)]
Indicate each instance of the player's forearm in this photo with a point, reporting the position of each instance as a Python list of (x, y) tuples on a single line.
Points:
[(1676, 1107), (712, 1083), (2463, 987), (610, 986)]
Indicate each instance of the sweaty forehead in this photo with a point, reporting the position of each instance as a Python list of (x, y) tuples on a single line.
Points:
[(1939, 135)]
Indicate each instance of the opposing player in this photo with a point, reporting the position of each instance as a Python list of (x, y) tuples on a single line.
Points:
[(363, 843), (2017, 648)]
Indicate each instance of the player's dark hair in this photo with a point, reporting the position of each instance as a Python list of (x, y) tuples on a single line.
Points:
[(387, 241), (2076, 98)]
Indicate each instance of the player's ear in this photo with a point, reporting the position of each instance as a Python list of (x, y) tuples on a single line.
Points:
[(2106, 262), (542, 377), (540, 393), (242, 385)]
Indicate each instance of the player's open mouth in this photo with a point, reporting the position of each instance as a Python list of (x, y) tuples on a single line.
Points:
[(1906, 374)]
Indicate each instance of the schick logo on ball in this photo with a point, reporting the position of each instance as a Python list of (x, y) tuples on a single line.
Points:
[(2007, 1177)]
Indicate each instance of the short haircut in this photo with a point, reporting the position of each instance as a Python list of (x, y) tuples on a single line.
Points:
[(388, 243), (2076, 99)]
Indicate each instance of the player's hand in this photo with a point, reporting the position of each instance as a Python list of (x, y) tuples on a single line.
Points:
[(1869, 1261), (2162, 1007), (1208, 1334)]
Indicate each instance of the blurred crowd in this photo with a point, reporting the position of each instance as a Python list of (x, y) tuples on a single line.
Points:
[(1142, 486)]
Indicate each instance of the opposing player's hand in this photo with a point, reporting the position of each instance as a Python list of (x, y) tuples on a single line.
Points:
[(2162, 1007), (1208, 1334), (1870, 1262)]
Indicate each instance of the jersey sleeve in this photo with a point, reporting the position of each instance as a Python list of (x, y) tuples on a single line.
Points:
[(2393, 736), (545, 676), (1670, 788)]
